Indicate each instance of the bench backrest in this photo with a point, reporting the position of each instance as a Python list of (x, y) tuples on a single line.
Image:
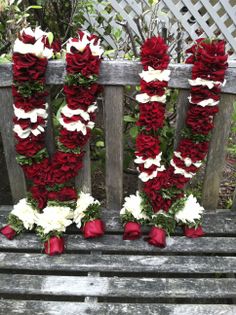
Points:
[(114, 76)]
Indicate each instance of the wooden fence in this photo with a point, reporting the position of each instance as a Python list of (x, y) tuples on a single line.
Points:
[(114, 76)]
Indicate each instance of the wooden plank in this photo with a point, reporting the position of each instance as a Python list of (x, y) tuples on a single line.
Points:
[(15, 173), (181, 111), (96, 263), (29, 307), (122, 72), (83, 179), (49, 138), (113, 102), (217, 153), (12, 284), (222, 223), (115, 243)]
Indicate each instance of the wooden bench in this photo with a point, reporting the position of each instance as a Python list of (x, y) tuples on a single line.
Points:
[(109, 275)]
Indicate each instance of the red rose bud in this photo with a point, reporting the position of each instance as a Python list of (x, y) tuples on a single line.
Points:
[(8, 232), (192, 232), (54, 246), (132, 231), (93, 229), (157, 237)]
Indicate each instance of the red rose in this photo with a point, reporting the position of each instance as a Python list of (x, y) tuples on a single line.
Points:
[(64, 194), (151, 115), (132, 231), (147, 146), (54, 246), (73, 139), (153, 87), (93, 229), (40, 194), (157, 237), (193, 232), (8, 232), (30, 146), (154, 54)]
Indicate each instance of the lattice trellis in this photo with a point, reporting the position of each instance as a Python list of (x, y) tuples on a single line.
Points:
[(211, 17)]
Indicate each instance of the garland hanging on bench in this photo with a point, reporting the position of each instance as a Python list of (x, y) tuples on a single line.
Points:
[(53, 203), (162, 203)]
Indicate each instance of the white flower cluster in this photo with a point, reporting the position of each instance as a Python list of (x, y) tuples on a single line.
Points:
[(33, 116), (191, 211), (54, 218), (80, 44), (133, 205), (23, 211), (38, 48), (84, 201), (155, 75), (188, 162), (145, 98)]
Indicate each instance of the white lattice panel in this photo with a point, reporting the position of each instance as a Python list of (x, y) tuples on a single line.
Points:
[(211, 17)]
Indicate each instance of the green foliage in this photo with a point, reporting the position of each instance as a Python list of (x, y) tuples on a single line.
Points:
[(46, 238), (164, 221), (79, 79), (29, 88), (93, 212), (56, 203), (62, 148), (38, 157), (15, 223)]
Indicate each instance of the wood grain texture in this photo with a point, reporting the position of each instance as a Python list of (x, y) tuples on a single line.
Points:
[(118, 263), (115, 243), (217, 153), (181, 111), (113, 102), (15, 173), (32, 307), (121, 72), (83, 179), (117, 287)]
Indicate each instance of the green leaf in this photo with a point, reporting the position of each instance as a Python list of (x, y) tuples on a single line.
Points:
[(133, 131), (100, 144), (50, 38), (128, 118)]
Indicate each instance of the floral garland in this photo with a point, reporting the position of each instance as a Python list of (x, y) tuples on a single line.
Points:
[(162, 203), (53, 204)]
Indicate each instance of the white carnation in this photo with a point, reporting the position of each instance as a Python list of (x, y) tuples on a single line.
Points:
[(133, 204), (32, 115), (84, 201), (191, 211), (77, 125), (145, 98), (207, 102), (210, 84), (54, 218), (23, 211), (149, 161), (154, 75)]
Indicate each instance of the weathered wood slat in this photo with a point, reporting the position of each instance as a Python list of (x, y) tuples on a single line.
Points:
[(181, 111), (118, 263), (117, 287), (217, 153), (115, 243), (114, 101), (83, 180), (72, 308), (121, 72), (219, 223), (16, 177)]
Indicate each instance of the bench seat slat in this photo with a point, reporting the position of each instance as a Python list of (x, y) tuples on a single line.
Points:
[(118, 263), (72, 308), (114, 243), (218, 223), (117, 287)]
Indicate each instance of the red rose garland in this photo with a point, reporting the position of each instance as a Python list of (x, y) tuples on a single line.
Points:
[(162, 203), (53, 204)]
